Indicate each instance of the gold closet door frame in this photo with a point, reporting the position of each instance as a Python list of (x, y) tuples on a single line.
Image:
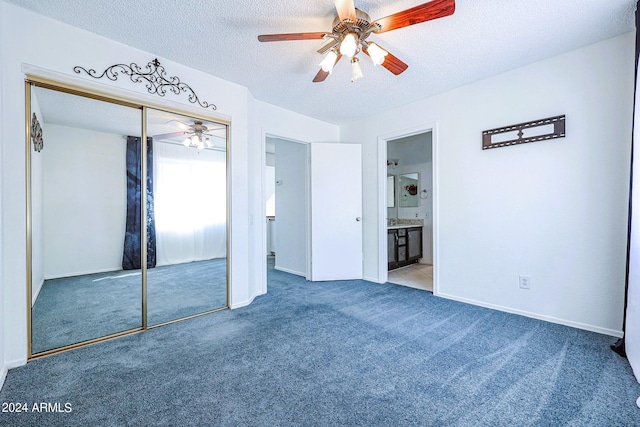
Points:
[(35, 81)]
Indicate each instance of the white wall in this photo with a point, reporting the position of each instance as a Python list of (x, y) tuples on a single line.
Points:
[(37, 235), (84, 201), (50, 48), (291, 207), (270, 190), (632, 324), (4, 316), (554, 210), (270, 184)]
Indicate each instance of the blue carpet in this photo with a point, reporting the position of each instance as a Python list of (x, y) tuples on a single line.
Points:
[(75, 309), (337, 353)]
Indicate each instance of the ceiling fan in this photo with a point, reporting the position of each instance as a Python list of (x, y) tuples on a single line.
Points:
[(352, 27), (195, 135)]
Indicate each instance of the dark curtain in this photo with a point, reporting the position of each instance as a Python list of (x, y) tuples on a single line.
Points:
[(619, 346), (131, 257)]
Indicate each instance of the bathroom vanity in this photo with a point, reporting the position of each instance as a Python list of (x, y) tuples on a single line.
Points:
[(404, 245)]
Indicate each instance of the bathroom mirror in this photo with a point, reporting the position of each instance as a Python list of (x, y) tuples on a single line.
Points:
[(391, 191), (409, 184)]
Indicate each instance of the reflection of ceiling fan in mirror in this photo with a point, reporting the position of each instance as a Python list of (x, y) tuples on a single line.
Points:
[(352, 27), (194, 135)]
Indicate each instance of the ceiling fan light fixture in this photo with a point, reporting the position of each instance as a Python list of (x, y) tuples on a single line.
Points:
[(351, 28), (349, 45), (329, 61), (187, 141), (208, 141), (356, 71), (376, 53)]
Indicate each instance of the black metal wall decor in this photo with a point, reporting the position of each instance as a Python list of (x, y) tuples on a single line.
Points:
[(537, 130), (36, 134), (155, 79)]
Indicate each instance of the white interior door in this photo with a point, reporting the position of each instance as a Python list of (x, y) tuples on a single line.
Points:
[(336, 211)]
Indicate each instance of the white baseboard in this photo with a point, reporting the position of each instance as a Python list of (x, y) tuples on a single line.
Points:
[(3, 376), (246, 302), (372, 279), (85, 273), (565, 322), (286, 270), (15, 363), (35, 292), (9, 365)]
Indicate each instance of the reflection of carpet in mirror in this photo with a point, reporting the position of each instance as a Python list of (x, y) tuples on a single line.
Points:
[(75, 309)]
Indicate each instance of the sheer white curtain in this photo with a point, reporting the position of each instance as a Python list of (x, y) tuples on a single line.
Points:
[(190, 204)]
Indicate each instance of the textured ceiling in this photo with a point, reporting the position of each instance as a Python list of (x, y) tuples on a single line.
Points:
[(482, 38)]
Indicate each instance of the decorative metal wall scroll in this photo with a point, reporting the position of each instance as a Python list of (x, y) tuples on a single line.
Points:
[(155, 79), (537, 130), (36, 134)]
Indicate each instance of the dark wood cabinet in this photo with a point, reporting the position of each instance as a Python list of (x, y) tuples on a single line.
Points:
[(404, 246)]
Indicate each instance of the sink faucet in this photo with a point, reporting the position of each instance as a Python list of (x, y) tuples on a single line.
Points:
[(392, 221)]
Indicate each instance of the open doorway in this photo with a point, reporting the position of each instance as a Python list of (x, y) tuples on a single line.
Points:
[(407, 207), (286, 196), (315, 234)]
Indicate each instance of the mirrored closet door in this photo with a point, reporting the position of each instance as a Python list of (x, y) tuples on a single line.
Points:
[(189, 170), (87, 199), (79, 291)]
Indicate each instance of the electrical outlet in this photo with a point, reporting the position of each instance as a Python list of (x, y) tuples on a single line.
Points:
[(525, 282)]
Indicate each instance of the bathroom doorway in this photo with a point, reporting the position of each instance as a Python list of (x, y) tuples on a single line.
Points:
[(408, 221)]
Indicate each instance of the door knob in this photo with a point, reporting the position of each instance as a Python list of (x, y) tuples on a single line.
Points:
[(357, 218)]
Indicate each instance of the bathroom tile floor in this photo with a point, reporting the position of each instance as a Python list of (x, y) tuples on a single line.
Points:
[(419, 276)]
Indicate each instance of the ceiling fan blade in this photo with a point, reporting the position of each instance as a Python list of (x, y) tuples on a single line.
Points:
[(290, 36), (422, 13), (322, 75), (346, 10), (181, 125), (392, 63), (327, 47), (169, 135)]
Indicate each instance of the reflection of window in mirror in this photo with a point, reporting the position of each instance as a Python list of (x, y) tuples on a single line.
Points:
[(391, 191), (409, 189)]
